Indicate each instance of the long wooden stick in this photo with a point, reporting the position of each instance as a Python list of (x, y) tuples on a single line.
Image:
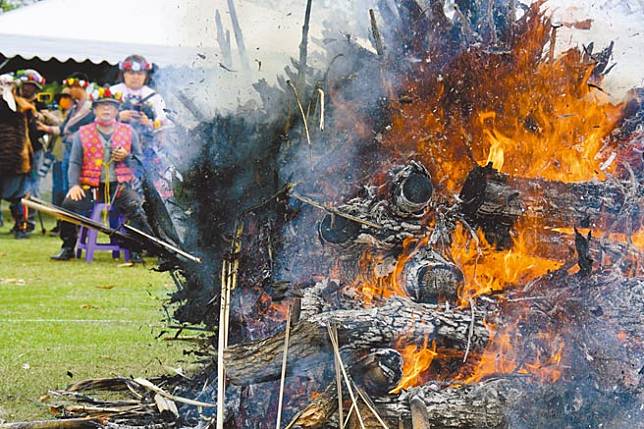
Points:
[(338, 382), (347, 380), (78, 423), (370, 405), (284, 361), (334, 211), (301, 109), (376, 34), (304, 46), (76, 219), (221, 345), (156, 389), (233, 272)]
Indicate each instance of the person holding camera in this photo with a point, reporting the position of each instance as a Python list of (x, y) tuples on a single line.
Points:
[(145, 110), (142, 106)]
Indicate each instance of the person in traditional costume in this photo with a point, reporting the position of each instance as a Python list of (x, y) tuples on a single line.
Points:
[(145, 110), (17, 118), (102, 165), (55, 148), (142, 106), (80, 114)]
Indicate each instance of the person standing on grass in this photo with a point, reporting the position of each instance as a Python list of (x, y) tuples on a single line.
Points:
[(80, 114), (55, 118), (101, 168), (17, 114), (145, 110)]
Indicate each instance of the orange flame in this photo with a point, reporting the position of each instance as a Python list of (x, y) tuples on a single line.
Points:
[(488, 270), (502, 356), (416, 361), (530, 116), (372, 285)]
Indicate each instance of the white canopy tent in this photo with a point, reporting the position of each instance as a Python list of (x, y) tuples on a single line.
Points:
[(167, 32), (179, 36)]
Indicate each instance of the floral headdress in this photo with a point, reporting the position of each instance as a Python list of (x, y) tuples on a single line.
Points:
[(74, 81), (30, 76), (105, 95)]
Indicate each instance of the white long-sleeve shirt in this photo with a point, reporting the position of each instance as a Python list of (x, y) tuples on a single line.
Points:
[(156, 101)]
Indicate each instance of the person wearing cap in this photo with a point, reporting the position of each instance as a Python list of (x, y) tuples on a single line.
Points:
[(80, 114), (145, 110), (17, 140), (101, 167), (141, 104)]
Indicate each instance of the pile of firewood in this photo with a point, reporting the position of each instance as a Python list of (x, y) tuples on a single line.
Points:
[(328, 255)]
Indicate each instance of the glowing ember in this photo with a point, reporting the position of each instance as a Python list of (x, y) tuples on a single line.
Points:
[(416, 361)]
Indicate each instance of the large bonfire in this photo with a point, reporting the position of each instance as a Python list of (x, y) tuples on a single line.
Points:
[(442, 231)]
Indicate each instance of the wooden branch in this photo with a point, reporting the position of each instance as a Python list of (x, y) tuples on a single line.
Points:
[(79, 423), (301, 78), (358, 330), (239, 36), (334, 211), (376, 34)]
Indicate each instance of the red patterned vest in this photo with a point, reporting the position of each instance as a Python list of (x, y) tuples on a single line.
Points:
[(93, 153)]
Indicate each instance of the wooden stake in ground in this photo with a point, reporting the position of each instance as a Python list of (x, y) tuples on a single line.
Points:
[(284, 361), (221, 344), (338, 383), (347, 380), (229, 272), (304, 47)]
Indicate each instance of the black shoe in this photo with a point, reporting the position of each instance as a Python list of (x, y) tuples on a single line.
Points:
[(65, 254), (20, 235), (136, 258), (55, 231)]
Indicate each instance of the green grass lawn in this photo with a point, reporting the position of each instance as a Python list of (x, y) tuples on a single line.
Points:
[(62, 322)]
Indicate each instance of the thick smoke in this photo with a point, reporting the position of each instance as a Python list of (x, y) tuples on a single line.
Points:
[(244, 144)]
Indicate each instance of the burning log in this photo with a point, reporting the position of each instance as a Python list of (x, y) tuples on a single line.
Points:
[(474, 406), (379, 371), (430, 277), (359, 330), (319, 411), (317, 298), (380, 222), (412, 190), (494, 201)]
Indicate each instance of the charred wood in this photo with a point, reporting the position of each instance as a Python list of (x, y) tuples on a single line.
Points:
[(358, 330), (494, 201), (467, 407)]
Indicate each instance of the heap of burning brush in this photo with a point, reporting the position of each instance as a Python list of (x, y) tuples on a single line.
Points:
[(451, 220)]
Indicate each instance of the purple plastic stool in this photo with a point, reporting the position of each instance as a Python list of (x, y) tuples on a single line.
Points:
[(88, 238)]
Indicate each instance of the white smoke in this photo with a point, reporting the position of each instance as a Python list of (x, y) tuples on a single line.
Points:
[(621, 21)]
